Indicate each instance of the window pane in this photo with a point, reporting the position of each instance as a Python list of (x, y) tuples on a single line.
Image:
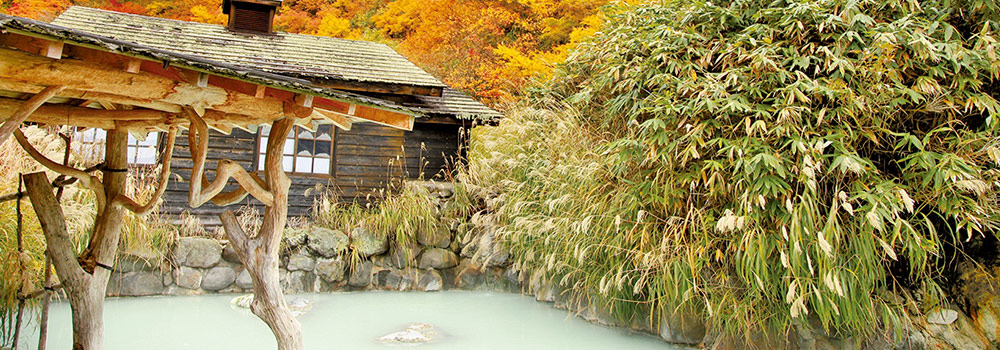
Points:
[(146, 155), (151, 139), (305, 148), (322, 148), (131, 155), (100, 135), (321, 165), (287, 163), (305, 134), (260, 162), (132, 141), (289, 147), (303, 165), (265, 130), (263, 145)]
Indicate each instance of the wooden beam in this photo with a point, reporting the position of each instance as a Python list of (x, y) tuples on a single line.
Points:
[(92, 96), (134, 65), (304, 100), (261, 89), (54, 50), (202, 80), (22, 67), (340, 120), (387, 118)]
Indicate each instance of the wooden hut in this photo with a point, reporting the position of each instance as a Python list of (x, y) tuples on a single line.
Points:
[(135, 78), (356, 161)]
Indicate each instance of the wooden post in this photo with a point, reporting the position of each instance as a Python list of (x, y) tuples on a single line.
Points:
[(259, 253), (85, 279)]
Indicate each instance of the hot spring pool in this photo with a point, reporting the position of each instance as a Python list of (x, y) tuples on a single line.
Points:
[(469, 320)]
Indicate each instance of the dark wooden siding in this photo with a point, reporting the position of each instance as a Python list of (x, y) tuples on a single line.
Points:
[(369, 159), (431, 151)]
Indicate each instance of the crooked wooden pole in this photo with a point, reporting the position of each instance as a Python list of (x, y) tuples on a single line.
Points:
[(259, 253), (85, 278), (23, 111)]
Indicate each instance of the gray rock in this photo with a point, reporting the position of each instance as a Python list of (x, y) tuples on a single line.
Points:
[(132, 263), (141, 283), (243, 280), (681, 327), (437, 258), (330, 270), (229, 254), (242, 301), (439, 237), (186, 277), (218, 278), (407, 281), (490, 252), (299, 281), (942, 316), (197, 252), (295, 238), (403, 256), (368, 243), (301, 262), (361, 275), (414, 334), (467, 275), (325, 242), (431, 281), (387, 279)]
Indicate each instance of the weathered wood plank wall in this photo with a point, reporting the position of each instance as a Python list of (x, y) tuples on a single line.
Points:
[(368, 159)]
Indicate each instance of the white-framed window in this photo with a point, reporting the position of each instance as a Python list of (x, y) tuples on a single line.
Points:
[(305, 152), (90, 143)]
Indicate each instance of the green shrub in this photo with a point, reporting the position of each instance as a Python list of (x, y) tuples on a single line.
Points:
[(758, 163)]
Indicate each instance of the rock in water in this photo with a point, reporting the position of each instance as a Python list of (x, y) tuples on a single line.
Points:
[(242, 301), (415, 333), (300, 306)]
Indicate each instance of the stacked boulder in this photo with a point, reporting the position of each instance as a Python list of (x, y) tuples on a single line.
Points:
[(457, 254)]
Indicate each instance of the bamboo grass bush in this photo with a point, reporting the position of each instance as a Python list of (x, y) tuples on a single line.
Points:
[(760, 165)]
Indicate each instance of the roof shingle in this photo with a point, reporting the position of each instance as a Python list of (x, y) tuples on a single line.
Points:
[(298, 55)]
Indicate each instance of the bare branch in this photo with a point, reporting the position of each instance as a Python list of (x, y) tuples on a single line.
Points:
[(142, 210), (200, 191), (237, 237), (88, 181)]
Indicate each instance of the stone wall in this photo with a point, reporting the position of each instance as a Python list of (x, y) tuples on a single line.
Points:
[(316, 259)]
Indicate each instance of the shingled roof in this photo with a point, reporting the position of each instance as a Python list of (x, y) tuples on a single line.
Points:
[(453, 103), (297, 55)]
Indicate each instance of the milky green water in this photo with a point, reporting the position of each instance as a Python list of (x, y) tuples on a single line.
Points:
[(470, 320)]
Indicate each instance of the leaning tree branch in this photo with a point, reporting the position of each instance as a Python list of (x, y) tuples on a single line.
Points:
[(24, 111), (88, 181), (124, 201), (200, 191)]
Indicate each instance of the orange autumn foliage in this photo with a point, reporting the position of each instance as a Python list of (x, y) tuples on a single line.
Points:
[(491, 48)]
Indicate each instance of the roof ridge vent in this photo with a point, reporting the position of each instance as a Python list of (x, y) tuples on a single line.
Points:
[(252, 16)]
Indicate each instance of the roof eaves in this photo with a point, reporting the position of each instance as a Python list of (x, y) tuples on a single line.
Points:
[(49, 31)]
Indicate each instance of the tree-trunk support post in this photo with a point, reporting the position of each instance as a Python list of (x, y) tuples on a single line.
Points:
[(86, 278), (259, 253)]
